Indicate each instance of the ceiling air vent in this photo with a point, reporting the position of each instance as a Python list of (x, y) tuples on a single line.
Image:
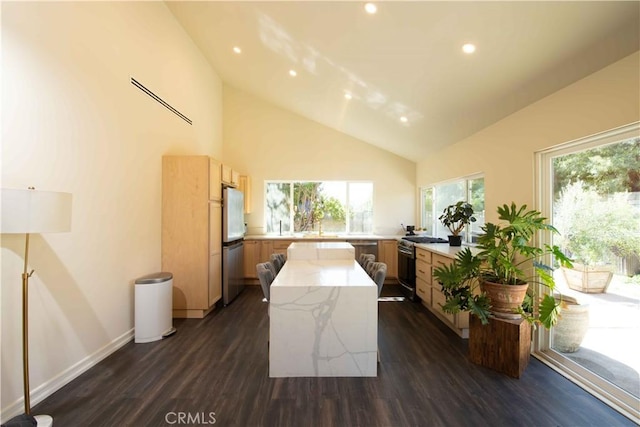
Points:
[(160, 100)]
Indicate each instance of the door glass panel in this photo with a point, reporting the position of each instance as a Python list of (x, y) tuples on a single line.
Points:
[(596, 208)]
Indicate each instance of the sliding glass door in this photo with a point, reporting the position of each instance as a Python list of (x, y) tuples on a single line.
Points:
[(590, 189)]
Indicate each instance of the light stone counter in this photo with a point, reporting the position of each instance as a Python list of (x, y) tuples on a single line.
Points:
[(446, 250), (323, 320), (321, 250)]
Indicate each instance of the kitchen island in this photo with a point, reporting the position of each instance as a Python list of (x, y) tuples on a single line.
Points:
[(321, 250), (323, 320)]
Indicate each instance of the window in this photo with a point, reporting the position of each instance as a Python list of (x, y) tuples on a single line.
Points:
[(319, 206), (436, 198)]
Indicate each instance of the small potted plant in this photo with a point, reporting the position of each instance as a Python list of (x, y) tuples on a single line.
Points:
[(495, 280), (455, 218)]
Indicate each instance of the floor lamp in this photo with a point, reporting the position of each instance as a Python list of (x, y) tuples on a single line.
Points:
[(27, 212)]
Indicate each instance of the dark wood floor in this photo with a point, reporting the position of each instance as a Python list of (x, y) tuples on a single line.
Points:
[(220, 365)]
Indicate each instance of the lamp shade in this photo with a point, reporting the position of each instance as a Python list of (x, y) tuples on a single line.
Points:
[(33, 211)]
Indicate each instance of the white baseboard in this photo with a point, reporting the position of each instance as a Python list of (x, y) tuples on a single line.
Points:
[(65, 377)]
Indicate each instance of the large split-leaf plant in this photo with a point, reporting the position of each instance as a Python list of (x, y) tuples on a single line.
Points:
[(506, 255)]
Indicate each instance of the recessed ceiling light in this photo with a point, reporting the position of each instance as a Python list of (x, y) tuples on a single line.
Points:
[(293, 73), (370, 8), (403, 119), (347, 95), (236, 49), (468, 48)]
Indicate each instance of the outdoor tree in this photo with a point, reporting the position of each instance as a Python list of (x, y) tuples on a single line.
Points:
[(311, 206), (610, 169)]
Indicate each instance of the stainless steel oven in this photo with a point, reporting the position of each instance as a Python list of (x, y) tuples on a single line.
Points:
[(407, 270), (407, 262)]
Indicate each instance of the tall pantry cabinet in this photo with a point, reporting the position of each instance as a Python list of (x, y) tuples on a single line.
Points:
[(191, 232)]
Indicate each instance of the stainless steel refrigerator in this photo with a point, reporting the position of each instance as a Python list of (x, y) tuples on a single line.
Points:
[(232, 244)]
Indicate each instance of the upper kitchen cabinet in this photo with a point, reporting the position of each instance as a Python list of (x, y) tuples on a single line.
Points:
[(191, 232), (229, 176), (215, 183), (245, 187)]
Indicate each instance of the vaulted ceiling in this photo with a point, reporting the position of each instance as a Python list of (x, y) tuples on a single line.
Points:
[(412, 88)]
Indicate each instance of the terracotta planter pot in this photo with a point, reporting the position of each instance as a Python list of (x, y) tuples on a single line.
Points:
[(505, 299), (591, 280)]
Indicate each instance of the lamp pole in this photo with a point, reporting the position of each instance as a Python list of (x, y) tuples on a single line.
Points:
[(25, 328)]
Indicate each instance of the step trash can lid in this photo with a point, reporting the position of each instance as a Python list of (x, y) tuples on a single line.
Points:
[(154, 278)]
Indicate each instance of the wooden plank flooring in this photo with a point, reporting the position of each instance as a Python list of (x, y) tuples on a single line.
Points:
[(220, 365)]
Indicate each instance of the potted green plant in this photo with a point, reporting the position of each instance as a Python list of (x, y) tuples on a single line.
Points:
[(455, 218), (495, 277)]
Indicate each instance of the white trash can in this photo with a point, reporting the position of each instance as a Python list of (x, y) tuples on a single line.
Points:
[(153, 305)]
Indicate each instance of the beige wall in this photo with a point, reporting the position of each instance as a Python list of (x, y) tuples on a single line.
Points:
[(505, 151), (73, 122), (270, 143)]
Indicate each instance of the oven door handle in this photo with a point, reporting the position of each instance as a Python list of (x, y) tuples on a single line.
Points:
[(405, 251)]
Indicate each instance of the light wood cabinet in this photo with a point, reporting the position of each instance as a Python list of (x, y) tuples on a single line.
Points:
[(191, 232), (255, 251), (280, 246), (215, 185), (228, 176), (423, 276), (388, 253), (244, 185), (423, 290), (431, 293)]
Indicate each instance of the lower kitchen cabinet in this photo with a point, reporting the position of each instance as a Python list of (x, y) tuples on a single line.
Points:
[(388, 253), (431, 293), (423, 280), (255, 252), (281, 246), (423, 290)]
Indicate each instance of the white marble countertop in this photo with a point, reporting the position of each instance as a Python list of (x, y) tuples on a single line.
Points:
[(320, 245), (305, 273), (444, 249)]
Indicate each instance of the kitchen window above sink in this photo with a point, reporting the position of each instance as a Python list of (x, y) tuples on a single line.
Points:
[(320, 208)]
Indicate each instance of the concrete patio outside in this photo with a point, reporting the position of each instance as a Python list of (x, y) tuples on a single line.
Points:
[(611, 347)]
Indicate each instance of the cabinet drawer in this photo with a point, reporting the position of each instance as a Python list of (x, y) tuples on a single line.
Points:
[(423, 290), (423, 271), (437, 298), (423, 255), (439, 259)]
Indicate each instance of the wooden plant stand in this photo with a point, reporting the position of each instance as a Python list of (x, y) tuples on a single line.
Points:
[(502, 345)]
